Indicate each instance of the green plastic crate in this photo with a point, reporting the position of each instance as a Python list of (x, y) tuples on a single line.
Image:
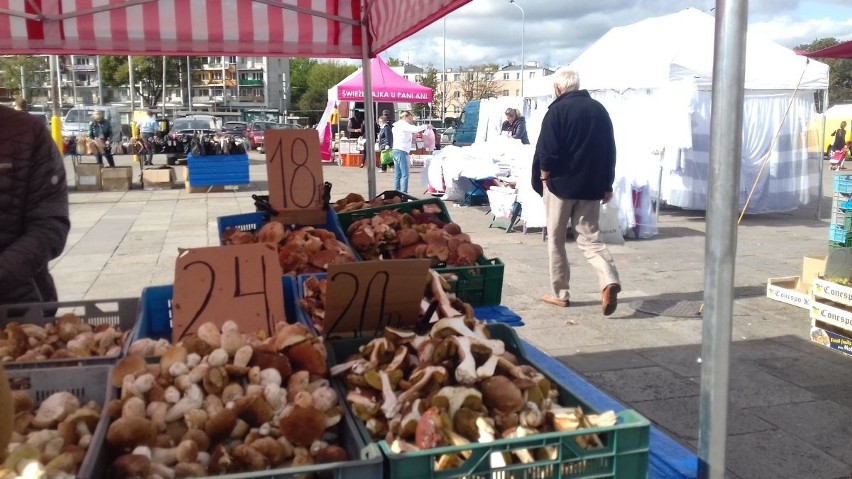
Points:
[(481, 285), (624, 455), (347, 218)]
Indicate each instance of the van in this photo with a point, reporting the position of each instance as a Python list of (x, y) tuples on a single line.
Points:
[(77, 120), (465, 129), (487, 114)]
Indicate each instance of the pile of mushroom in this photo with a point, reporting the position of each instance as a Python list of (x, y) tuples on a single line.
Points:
[(455, 386), (300, 251), (354, 201), (224, 402), (393, 234), (315, 291), (65, 338), (51, 440)]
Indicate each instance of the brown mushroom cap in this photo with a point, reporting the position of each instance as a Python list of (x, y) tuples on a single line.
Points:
[(129, 432), (265, 359), (68, 428), (22, 402), (500, 393), (250, 458), (199, 437), (67, 326), (254, 410), (220, 425), (308, 356), (274, 451), (331, 454), (131, 365), (303, 425), (131, 466), (173, 354)]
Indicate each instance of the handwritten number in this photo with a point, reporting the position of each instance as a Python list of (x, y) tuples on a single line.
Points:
[(380, 280), (238, 293), (302, 167), (278, 157), (207, 296), (348, 304)]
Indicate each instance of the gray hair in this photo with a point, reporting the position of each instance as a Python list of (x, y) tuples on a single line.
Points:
[(566, 80)]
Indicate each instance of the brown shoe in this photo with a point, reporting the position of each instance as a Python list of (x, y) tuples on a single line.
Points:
[(550, 299), (609, 298)]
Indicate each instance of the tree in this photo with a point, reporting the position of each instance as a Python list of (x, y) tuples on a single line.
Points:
[(429, 79), (320, 78), (35, 73), (147, 74), (478, 82), (300, 68), (840, 80), (395, 62)]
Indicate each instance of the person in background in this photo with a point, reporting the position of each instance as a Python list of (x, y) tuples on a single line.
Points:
[(839, 137), (100, 131), (33, 208), (402, 132), (573, 169), (355, 127), (369, 146), (334, 120), (429, 140), (148, 128), (385, 137), (21, 104), (515, 126)]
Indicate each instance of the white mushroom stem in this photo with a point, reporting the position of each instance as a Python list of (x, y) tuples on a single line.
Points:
[(487, 434), (270, 376), (344, 367), (193, 399), (466, 368), (412, 392), (389, 404), (524, 455), (488, 367), (531, 416), (162, 470), (198, 373), (457, 325), (398, 357), (438, 293), (163, 455), (144, 383), (380, 345)]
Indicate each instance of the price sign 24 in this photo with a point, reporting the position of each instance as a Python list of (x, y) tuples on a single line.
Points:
[(221, 283)]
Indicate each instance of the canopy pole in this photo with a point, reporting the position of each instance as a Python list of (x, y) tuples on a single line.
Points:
[(720, 248), (56, 121), (822, 152), (369, 117)]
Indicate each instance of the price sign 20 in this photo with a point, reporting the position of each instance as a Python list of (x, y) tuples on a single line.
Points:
[(294, 170), (367, 297), (221, 283)]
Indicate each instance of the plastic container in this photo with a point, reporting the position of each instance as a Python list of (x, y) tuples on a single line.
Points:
[(346, 219), (842, 201), (843, 219), (255, 221), (155, 310), (480, 285), (843, 184), (624, 455), (88, 383), (117, 312), (839, 235)]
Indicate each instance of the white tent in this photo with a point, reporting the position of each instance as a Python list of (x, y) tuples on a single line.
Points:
[(655, 78)]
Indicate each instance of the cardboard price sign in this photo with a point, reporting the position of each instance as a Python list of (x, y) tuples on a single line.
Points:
[(369, 296), (240, 283), (294, 170)]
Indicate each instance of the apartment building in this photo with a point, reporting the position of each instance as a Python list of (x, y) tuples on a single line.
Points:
[(234, 83)]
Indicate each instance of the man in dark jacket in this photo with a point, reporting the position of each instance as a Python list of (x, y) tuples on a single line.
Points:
[(33, 208), (101, 131), (573, 169)]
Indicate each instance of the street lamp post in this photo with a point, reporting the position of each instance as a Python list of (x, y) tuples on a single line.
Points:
[(523, 22)]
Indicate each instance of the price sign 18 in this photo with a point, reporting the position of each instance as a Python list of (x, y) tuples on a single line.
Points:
[(221, 283), (294, 170)]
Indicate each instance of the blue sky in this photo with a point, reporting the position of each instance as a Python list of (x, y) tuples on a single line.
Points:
[(557, 31)]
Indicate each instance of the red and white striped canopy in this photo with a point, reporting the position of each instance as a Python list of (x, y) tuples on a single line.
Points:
[(297, 28)]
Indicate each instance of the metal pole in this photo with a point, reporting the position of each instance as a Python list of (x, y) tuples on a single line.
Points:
[(73, 75), (369, 119), (720, 248), (56, 121), (164, 86), (224, 93), (821, 153), (23, 85), (132, 96), (100, 86), (443, 78), (188, 84), (523, 23)]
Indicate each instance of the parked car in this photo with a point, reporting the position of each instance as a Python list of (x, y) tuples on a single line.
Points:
[(183, 129), (447, 136), (235, 128), (255, 129)]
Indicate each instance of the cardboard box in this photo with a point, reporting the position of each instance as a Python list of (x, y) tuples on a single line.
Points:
[(203, 189), (119, 178), (789, 290), (833, 314), (158, 179), (87, 176), (813, 267), (831, 291), (825, 335)]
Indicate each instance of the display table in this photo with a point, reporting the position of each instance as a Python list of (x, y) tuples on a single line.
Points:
[(218, 170), (668, 459)]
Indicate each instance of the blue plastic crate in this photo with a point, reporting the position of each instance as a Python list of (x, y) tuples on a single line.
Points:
[(218, 170), (155, 310), (843, 184), (255, 221), (842, 201), (839, 234)]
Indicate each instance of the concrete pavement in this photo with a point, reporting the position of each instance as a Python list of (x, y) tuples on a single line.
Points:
[(789, 398)]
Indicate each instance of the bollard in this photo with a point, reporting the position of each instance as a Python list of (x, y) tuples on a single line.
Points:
[(56, 132), (134, 133)]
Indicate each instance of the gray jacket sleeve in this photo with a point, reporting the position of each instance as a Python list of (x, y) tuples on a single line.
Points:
[(45, 216)]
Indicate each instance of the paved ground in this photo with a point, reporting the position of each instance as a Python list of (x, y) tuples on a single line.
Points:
[(790, 399)]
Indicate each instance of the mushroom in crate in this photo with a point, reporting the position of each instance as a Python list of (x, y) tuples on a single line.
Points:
[(221, 401), (354, 201), (50, 440), (300, 251), (456, 386), (65, 338)]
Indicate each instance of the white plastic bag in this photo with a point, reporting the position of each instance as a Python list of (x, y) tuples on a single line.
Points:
[(610, 232)]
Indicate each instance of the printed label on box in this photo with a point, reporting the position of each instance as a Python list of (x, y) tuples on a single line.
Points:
[(832, 315), (791, 296), (88, 180), (833, 291), (831, 340)]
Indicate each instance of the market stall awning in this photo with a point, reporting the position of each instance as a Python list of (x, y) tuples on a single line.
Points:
[(388, 86), (304, 28), (841, 50)]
